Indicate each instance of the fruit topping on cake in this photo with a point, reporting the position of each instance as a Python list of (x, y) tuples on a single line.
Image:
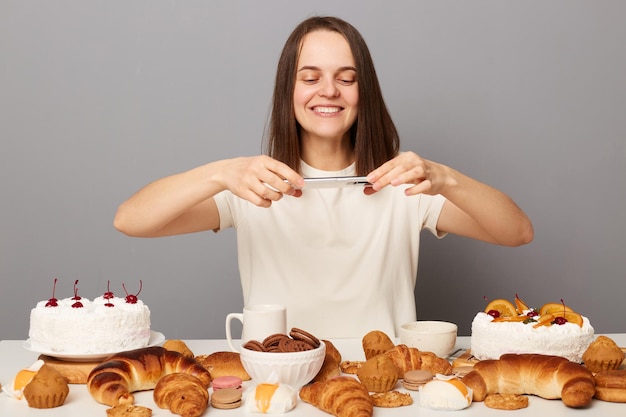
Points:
[(76, 298), (53, 302), (108, 295), (132, 298), (549, 314), (516, 327)]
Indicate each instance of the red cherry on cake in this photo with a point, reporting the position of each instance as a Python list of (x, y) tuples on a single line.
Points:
[(53, 302), (532, 313), (76, 296), (494, 313), (108, 295), (130, 298), (560, 321)]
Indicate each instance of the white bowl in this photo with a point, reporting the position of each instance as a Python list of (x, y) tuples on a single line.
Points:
[(438, 337), (292, 368)]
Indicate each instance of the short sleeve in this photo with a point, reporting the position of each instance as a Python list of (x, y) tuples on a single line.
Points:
[(431, 217), (223, 200)]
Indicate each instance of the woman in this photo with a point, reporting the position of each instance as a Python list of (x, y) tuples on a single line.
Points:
[(343, 261)]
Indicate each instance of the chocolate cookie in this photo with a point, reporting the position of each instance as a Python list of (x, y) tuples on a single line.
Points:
[(273, 340), (299, 334), (254, 345)]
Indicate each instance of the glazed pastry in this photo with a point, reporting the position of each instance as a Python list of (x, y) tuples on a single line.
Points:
[(603, 354), (47, 389), (182, 394), (546, 376), (224, 363), (178, 346), (378, 374), (268, 398), (15, 388), (408, 358), (445, 393), (343, 396), (376, 342), (114, 380)]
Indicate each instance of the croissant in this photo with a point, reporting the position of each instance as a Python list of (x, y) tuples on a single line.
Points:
[(342, 396), (182, 394), (549, 377), (408, 359), (113, 381)]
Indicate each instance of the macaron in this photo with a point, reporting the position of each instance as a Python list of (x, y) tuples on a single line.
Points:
[(226, 398), (412, 380), (224, 382)]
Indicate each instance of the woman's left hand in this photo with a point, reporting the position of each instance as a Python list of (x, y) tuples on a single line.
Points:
[(427, 177)]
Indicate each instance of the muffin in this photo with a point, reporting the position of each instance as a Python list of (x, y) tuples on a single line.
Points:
[(603, 354), (375, 343), (378, 374), (47, 389)]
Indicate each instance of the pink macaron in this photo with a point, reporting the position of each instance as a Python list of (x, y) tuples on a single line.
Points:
[(223, 382)]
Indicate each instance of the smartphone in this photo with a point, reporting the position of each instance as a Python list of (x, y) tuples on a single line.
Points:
[(336, 182)]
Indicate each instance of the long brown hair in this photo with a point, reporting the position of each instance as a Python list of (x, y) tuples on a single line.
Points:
[(373, 135)]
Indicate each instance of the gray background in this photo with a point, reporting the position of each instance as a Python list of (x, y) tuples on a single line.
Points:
[(99, 98)]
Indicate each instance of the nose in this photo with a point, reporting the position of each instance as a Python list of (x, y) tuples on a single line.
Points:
[(328, 88)]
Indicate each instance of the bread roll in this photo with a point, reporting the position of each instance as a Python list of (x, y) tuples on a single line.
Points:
[(549, 377), (114, 380), (224, 363)]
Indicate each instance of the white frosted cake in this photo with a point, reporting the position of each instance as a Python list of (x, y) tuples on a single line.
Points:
[(78, 325), (492, 338)]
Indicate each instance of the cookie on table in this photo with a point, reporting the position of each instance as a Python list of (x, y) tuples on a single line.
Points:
[(506, 401), (391, 399)]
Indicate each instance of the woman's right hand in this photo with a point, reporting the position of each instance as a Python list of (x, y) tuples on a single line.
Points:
[(259, 179), (183, 203)]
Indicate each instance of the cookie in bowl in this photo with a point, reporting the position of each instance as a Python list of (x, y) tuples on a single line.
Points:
[(292, 359)]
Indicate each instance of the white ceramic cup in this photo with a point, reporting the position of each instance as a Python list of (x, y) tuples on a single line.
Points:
[(438, 337), (259, 321)]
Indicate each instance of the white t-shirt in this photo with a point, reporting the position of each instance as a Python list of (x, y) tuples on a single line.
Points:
[(344, 263)]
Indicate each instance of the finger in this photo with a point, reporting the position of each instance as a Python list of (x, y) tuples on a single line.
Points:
[(268, 192), (369, 190), (282, 172), (390, 177), (423, 187)]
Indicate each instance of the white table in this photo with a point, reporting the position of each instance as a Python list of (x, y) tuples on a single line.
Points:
[(79, 403)]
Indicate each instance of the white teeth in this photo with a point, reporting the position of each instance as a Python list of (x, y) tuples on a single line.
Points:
[(327, 109)]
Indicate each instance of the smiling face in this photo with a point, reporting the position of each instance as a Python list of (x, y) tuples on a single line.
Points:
[(326, 92)]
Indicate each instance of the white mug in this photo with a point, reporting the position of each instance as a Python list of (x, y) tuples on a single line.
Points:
[(259, 321)]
